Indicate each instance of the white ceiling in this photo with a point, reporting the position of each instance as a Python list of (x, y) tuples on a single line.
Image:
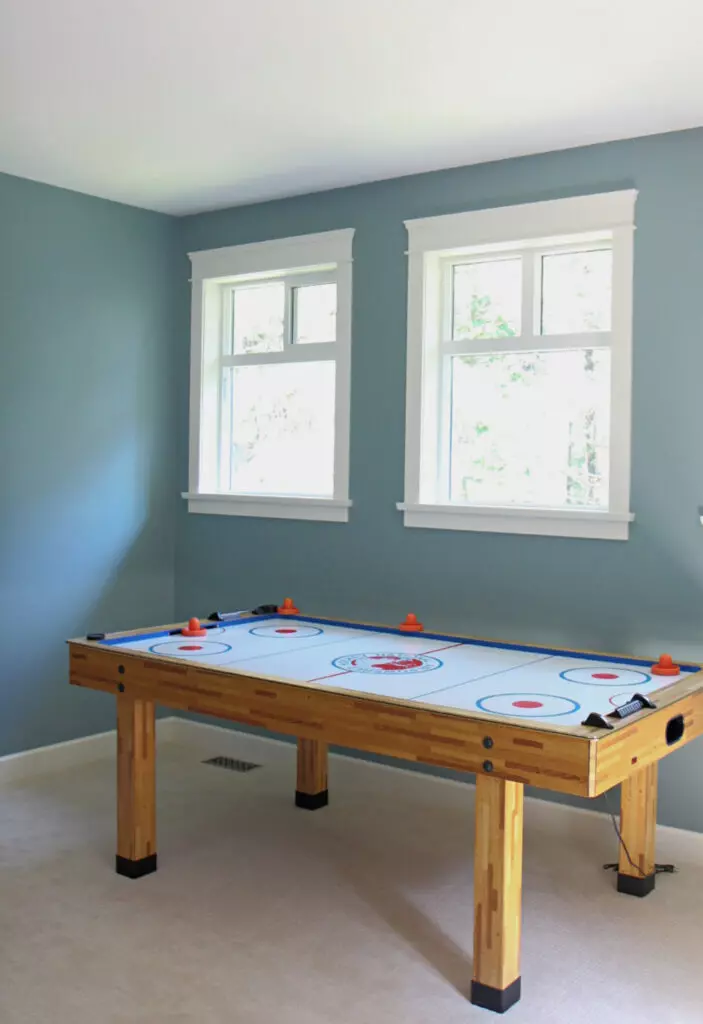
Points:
[(185, 105)]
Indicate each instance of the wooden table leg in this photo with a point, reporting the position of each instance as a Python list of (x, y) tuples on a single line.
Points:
[(311, 788), (497, 893), (638, 824), (136, 788)]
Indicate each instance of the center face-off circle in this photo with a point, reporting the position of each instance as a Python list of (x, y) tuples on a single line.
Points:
[(605, 675), (189, 647), (528, 705), (388, 664), (285, 632)]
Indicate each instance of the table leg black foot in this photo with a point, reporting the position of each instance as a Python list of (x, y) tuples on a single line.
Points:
[(135, 868), (636, 886), (497, 999), (311, 801)]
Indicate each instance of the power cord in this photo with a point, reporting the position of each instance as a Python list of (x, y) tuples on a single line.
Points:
[(659, 869)]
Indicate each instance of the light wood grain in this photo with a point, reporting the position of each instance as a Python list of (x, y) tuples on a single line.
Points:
[(136, 778), (312, 766), (644, 741), (497, 881), (364, 722), (638, 822)]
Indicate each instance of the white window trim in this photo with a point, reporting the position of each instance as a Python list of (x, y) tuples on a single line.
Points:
[(506, 229), (324, 252)]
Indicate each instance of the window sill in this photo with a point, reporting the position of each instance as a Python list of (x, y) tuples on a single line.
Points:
[(330, 510), (537, 521)]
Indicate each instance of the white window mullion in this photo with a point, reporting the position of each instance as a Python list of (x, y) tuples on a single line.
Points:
[(288, 314), (314, 353), (531, 296), (444, 434), (225, 430), (445, 324), (542, 343)]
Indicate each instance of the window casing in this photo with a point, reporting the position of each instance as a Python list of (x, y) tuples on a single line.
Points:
[(519, 369), (270, 379)]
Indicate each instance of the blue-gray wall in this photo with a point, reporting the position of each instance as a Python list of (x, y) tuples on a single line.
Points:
[(94, 338), (642, 596), (87, 460)]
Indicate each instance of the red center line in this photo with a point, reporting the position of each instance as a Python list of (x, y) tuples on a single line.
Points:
[(436, 650), (332, 675)]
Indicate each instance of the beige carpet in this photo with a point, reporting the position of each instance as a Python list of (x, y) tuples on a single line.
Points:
[(357, 914)]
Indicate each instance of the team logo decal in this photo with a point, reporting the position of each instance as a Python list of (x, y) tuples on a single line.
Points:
[(394, 663)]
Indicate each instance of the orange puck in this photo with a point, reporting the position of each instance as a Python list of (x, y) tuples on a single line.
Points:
[(193, 629), (288, 608), (411, 625), (665, 666)]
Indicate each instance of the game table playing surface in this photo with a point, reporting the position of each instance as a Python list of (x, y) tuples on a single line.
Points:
[(511, 713)]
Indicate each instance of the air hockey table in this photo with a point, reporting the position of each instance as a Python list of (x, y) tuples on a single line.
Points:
[(570, 721)]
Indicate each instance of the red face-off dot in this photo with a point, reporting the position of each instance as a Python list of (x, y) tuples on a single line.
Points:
[(286, 630), (603, 675), (528, 704), (190, 647)]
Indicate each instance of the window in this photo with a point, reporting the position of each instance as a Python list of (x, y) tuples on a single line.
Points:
[(519, 369), (270, 368)]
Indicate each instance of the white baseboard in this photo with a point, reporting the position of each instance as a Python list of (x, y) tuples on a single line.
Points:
[(47, 760)]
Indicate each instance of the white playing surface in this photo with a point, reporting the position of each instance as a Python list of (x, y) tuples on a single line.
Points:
[(555, 688)]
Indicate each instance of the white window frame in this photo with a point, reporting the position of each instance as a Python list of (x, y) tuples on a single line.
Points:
[(529, 230), (296, 261)]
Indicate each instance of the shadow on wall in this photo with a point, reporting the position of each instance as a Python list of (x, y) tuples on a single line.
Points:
[(90, 551), (87, 465)]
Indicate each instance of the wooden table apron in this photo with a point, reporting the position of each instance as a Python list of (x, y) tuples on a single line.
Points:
[(505, 756)]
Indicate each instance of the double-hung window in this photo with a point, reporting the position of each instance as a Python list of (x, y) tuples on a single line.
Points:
[(270, 368), (519, 369)]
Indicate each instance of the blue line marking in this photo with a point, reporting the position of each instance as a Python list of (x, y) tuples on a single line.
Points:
[(394, 631), (479, 679)]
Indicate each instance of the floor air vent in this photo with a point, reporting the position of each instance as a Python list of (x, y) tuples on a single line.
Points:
[(232, 764)]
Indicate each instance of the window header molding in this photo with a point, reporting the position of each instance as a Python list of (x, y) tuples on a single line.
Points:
[(575, 215), (277, 256)]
